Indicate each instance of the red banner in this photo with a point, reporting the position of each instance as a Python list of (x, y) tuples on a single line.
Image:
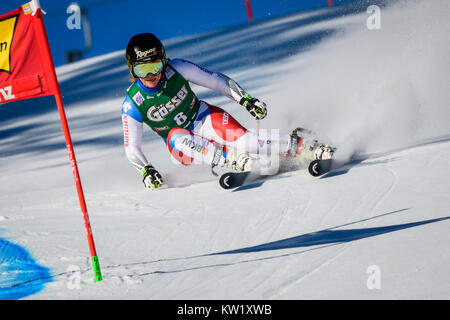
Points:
[(26, 68), (27, 71)]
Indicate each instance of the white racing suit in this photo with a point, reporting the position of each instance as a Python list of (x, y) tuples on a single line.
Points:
[(213, 126)]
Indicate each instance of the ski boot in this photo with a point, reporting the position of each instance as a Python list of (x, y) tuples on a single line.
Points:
[(308, 148), (231, 158)]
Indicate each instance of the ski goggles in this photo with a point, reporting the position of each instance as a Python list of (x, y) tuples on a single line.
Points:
[(143, 69)]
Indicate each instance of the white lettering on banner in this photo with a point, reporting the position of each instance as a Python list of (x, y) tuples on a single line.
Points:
[(6, 93)]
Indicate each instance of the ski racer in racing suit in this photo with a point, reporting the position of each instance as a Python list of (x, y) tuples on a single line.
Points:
[(193, 130)]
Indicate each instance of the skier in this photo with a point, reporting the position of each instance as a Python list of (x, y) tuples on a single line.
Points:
[(193, 130)]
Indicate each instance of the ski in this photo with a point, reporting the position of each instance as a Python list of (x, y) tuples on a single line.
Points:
[(319, 167), (232, 180)]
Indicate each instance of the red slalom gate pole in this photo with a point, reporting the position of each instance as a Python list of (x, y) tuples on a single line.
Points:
[(47, 60), (249, 11), (76, 177)]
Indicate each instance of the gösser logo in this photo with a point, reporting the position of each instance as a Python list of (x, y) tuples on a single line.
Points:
[(159, 113)]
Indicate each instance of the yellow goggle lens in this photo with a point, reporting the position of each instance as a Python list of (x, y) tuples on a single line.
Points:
[(143, 69)]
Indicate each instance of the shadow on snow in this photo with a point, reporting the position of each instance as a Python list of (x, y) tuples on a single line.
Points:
[(313, 241)]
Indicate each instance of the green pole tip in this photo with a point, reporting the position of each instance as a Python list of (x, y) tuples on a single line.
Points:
[(96, 267)]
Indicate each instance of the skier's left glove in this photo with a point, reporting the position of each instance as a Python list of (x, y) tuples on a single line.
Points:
[(256, 108), (152, 178)]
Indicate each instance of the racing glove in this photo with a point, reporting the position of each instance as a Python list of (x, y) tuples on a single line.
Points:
[(152, 178), (256, 108)]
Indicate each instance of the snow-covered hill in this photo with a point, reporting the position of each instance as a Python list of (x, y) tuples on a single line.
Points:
[(373, 229)]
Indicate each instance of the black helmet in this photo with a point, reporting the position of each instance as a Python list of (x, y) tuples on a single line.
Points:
[(144, 47)]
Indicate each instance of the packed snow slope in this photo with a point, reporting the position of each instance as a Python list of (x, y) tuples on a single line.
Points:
[(376, 228)]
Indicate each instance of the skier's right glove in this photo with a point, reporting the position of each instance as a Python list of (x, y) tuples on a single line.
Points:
[(152, 178), (256, 108)]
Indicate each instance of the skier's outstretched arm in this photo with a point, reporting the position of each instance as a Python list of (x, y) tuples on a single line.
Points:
[(221, 83), (132, 131)]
